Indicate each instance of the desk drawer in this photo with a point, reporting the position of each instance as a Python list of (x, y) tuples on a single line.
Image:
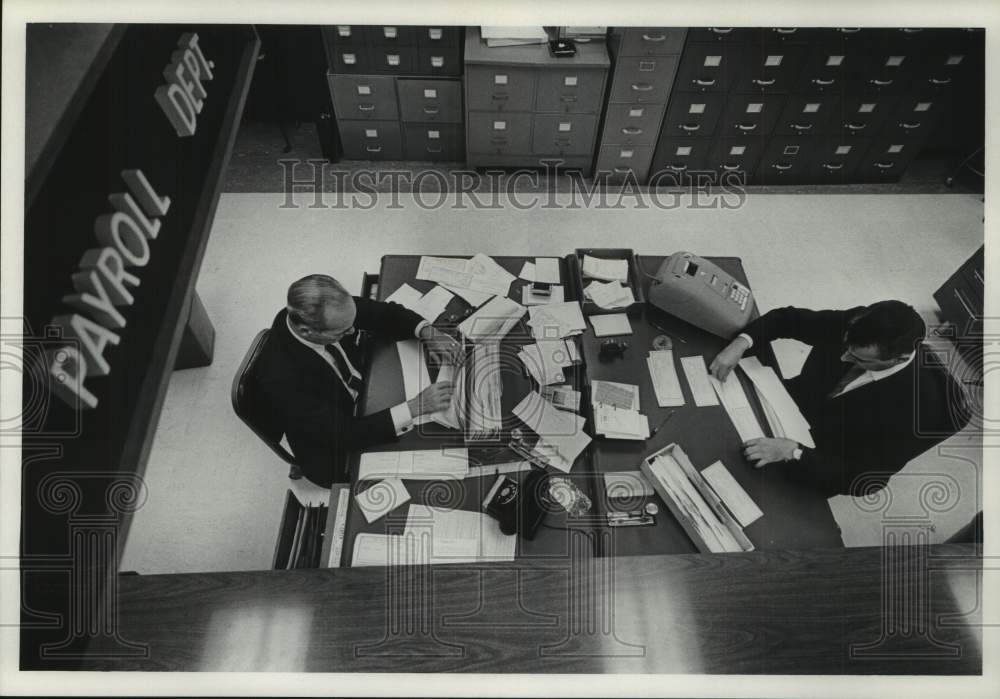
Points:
[(439, 60), (350, 59), (680, 157), (632, 124), (619, 161), (569, 90), (363, 97), (499, 134), (784, 161), (914, 117), (652, 41), (431, 37), (771, 68), (834, 160), (433, 142), (735, 155), (807, 115), (344, 35), (692, 114), (828, 67), (886, 160), (750, 115), (499, 89), (569, 134), (430, 100), (710, 67), (371, 140), (646, 80), (863, 116), (393, 59), (386, 35)]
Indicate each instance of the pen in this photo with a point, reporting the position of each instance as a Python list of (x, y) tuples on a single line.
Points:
[(660, 426)]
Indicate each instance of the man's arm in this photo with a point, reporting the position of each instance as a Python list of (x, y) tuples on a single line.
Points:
[(389, 321)]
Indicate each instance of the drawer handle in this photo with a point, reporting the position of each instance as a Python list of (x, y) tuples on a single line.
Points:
[(366, 107), (642, 87), (631, 131), (849, 30), (912, 31), (746, 127), (433, 150), (562, 141), (855, 126), (720, 30), (785, 31), (782, 166), (763, 83), (498, 140), (965, 304), (373, 149), (567, 98), (679, 168), (654, 37), (703, 83), (622, 168), (939, 81), (833, 166), (880, 83), (730, 167), (689, 127), (885, 166), (500, 97), (431, 110), (823, 83), (801, 127), (906, 125)]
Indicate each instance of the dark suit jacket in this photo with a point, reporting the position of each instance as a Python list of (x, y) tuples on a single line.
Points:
[(869, 433), (311, 401)]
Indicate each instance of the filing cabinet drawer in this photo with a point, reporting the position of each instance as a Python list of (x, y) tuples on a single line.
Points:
[(750, 115), (632, 124), (344, 35), (681, 156), (737, 156), (720, 35), (834, 160), (350, 59), (863, 115), (431, 37), (692, 114), (499, 134), (710, 67), (392, 35), (619, 161), (651, 41), (501, 89), (439, 60), (784, 161), (914, 117), (569, 90), (433, 142), (828, 67), (886, 160), (645, 79), (371, 140), (430, 100), (771, 68), (363, 97), (393, 59), (559, 134), (885, 69), (808, 115)]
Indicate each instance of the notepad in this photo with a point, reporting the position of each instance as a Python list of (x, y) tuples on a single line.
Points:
[(382, 498), (611, 324), (697, 378), (423, 464), (608, 270), (663, 374), (547, 270)]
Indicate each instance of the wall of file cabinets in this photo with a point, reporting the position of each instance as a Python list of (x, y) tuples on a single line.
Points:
[(397, 91)]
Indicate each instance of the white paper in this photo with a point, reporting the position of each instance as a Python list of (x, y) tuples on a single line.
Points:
[(530, 298), (734, 400), (405, 296), (697, 378), (556, 320), (444, 270), (663, 374), (608, 270), (782, 411), (627, 484), (446, 528), (384, 550), (610, 295), (546, 359), (618, 423), (560, 433), (527, 271), (743, 508), (432, 304), (493, 321), (619, 395), (473, 298), (562, 397), (547, 270), (423, 464), (414, 369), (498, 469), (611, 324), (382, 498)]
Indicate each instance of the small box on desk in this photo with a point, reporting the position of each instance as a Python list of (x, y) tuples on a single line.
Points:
[(606, 257)]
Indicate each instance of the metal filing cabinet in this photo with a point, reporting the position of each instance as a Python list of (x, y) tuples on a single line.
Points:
[(397, 91), (524, 107), (644, 63)]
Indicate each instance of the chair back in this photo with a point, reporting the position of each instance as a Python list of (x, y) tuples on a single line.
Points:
[(251, 407)]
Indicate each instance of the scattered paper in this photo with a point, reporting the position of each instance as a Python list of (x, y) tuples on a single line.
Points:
[(556, 320), (783, 414), (498, 469), (444, 270), (627, 484), (734, 400), (619, 395), (547, 270), (610, 295), (619, 423), (493, 321), (382, 498), (611, 324), (527, 271), (560, 433), (405, 296), (473, 298), (697, 378), (743, 508), (429, 305), (663, 374), (423, 464), (447, 526), (530, 298), (479, 275), (608, 270), (562, 397), (546, 359)]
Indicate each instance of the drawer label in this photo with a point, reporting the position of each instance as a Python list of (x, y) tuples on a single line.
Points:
[(893, 61), (364, 89), (737, 150), (636, 112), (390, 32), (565, 126), (430, 94), (500, 79), (834, 60), (626, 153), (350, 59), (810, 108), (696, 108), (433, 134), (895, 149), (773, 61), (569, 81), (647, 66), (499, 125), (437, 61), (842, 150), (713, 61), (867, 107), (683, 150), (343, 30), (392, 59), (790, 150), (371, 133), (434, 33), (922, 106), (954, 60), (755, 107)]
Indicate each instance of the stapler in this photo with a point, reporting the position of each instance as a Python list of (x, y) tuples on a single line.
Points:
[(611, 349)]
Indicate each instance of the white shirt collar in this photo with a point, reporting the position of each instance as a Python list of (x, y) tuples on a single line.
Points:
[(879, 374), (311, 345)]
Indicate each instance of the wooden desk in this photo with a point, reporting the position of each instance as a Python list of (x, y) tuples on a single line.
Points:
[(766, 612)]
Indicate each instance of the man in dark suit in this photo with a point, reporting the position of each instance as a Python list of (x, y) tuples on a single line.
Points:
[(310, 370), (871, 400)]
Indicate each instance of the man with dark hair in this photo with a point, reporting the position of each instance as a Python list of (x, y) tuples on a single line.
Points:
[(872, 405), (310, 369)]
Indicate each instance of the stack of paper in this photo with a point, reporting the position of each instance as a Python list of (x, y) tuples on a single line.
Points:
[(556, 320), (483, 417), (513, 36), (561, 436), (616, 410), (546, 359), (563, 397), (607, 270), (737, 501), (781, 411), (663, 374), (530, 298), (493, 321), (429, 305), (611, 324), (475, 280), (734, 400), (609, 295), (425, 464), (697, 378)]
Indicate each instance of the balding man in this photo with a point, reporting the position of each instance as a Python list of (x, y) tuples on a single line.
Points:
[(311, 366), (871, 403)]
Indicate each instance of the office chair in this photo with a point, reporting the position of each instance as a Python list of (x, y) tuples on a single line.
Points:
[(256, 413)]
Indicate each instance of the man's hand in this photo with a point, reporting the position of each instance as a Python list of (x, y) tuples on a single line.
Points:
[(728, 358), (443, 347), (432, 399), (768, 451)]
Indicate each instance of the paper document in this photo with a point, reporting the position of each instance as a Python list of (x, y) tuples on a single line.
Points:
[(530, 298), (619, 395), (562, 397), (734, 400), (731, 493), (611, 324), (627, 484), (411, 361), (610, 295), (405, 296), (608, 270), (560, 431), (444, 270), (429, 305), (527, 271), (547, 270), (663, 374), (546, 359), (443, 527), (556, 320), (697, 378), (424, 464), (493, 321), (783, 414), (480, 274), (487, 470), (382, 498), (473, 298), (619, 423)]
